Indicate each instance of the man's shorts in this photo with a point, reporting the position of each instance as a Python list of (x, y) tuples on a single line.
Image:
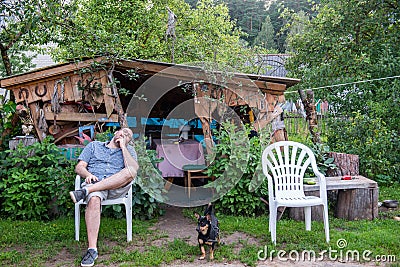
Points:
[(107, 194)]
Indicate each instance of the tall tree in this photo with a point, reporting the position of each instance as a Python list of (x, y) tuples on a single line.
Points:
[(265, 38), (249, 16), (297, 26), (276, 12), (25, 24), (17, 20), (351, 47)]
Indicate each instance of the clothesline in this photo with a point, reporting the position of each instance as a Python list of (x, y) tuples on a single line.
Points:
[(343, 84)]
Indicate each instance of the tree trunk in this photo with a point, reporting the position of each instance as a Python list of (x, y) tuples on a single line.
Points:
[(347, 164), (311, 114), (6, 60), (357, 204), (14, 120)]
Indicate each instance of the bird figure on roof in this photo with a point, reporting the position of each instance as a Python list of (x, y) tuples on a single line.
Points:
[(84, 140)]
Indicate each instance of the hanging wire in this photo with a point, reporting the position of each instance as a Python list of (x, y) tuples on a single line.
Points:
[(343, 84)]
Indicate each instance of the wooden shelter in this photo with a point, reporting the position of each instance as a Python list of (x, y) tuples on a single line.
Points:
[(61, 98)]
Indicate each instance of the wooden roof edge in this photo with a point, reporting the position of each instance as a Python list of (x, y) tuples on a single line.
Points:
[(162, 65), (145, 65), (46, 72)]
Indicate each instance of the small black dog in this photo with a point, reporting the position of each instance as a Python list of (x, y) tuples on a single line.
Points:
[(208, 231)]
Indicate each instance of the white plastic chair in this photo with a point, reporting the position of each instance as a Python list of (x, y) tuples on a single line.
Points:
[(126, 200), (287, 162)]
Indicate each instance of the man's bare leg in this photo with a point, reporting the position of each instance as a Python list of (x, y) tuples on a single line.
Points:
[(92, 218), (115, 181)]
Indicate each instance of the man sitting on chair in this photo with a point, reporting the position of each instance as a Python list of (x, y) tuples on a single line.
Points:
[(109, 169)]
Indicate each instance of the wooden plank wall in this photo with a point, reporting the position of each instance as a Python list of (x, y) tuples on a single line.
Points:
[(43, 90)]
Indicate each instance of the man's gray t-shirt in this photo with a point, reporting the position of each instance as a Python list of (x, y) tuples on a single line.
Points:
[(104, 161)]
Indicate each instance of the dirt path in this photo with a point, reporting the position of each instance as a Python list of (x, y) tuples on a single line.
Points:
[(174, 225)]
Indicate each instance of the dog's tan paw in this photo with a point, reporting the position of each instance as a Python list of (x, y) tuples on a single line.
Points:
[(202, 257)]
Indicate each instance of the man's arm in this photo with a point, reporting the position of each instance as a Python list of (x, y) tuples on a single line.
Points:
[(130, 163), (82, 171)]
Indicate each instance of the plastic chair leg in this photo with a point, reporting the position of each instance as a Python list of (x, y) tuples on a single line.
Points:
[(326, 223), (272, 215), (307, 218), (128, 210), (77, 221)]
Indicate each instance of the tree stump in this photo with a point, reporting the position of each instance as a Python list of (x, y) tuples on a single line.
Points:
[(357, 204), (25, 140), (347, 164)]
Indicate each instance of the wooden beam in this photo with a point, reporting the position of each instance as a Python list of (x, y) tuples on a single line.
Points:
[(270, 87), (47, 72), (109, 98), (71, 116), (193, 74)]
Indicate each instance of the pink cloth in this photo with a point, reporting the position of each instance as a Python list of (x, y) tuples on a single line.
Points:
[(177, 155)]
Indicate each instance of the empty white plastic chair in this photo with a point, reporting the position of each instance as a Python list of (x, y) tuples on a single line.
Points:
[(285, 163), (126, 200)]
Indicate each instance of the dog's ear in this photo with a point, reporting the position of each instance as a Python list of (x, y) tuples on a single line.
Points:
[(208, 210)]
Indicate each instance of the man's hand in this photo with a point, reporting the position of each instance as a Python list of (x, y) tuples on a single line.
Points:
[(122, 141), (91, 178)]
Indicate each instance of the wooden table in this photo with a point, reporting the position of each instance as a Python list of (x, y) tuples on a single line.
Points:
[(353, 199)]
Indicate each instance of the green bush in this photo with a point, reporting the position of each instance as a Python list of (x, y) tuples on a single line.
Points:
[(149, 187), (370, 138), (7, 110), (144, 205), (238, 164), (34, 181)]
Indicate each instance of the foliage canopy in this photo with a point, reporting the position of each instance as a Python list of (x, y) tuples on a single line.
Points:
[(137, 29), (352, 43)]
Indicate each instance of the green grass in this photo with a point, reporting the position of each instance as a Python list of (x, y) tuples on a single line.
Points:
[(29, 243), (389, 192)]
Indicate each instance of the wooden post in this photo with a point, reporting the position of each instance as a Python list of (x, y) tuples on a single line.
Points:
[(205, 122), (278, 124), (107, 94)]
